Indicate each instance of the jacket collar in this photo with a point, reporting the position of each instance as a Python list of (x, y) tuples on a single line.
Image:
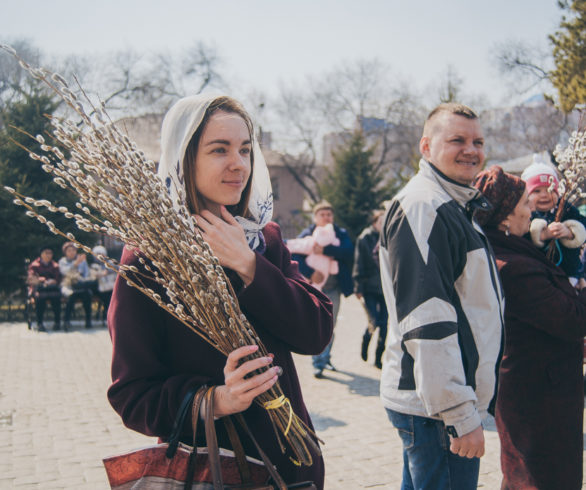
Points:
[(466, 196)]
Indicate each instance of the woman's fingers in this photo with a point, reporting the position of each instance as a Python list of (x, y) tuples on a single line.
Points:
[(227, 216), (237, 354)]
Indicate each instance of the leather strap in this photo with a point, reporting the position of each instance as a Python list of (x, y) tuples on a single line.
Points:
[(239, 453), (270, 468), (212, 440), (207, 394), (196, 407), (179, 422)]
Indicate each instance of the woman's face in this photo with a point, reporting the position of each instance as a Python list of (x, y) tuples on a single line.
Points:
[(70, 253), (542, 200), (222, 163), (520, 219)]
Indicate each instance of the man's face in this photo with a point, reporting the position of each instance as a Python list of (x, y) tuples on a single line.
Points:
[(323, 217), (455, 145)]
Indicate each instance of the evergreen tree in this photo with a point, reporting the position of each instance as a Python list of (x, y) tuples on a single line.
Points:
[(569, 53), (354, 186), (22, 236)]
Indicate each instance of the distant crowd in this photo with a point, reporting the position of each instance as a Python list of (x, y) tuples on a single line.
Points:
[(70, 280)]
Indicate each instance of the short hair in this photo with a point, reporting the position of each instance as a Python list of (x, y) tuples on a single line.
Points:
[(231, 106), (375, 215), (451, 108), (322, 205)]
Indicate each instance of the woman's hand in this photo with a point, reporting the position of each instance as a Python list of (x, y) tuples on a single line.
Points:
[(238, 392), (226, 238)]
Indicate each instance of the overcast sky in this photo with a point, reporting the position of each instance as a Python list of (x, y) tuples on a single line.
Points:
[(265, 42)]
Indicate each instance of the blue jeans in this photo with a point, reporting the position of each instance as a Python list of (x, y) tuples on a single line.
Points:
[(428, 462), (320, 361)]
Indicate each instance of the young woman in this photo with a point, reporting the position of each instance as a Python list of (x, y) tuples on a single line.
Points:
[(540, 402), (210, 162)]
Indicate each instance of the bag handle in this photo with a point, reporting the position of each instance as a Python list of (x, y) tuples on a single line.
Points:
[(179, 422), (212, 442), (196, 407), (271, 469)]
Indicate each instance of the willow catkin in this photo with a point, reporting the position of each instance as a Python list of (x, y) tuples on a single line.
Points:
[(120, 195)]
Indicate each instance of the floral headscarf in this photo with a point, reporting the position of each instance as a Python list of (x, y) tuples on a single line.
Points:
[(179, 125)]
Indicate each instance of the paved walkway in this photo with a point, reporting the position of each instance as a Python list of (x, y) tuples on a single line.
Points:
[(56, 424)]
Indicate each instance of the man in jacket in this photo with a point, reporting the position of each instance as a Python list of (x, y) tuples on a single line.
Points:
[(336, 284), (445, 308), (368, 287)]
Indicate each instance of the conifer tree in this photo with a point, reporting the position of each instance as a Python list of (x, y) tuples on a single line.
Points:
[(22, 236), (569, 53), (354, 186)]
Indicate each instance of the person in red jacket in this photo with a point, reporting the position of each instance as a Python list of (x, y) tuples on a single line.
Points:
[(208, 155), (540, 402), (43, 280)]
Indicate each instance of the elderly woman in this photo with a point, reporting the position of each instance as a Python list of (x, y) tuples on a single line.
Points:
[(540, 402)]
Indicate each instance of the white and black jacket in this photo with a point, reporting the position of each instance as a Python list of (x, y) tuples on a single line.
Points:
[(445, 303)]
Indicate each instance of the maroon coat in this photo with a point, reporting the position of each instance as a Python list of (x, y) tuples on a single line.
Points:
[(156, 359), (540, 400), (48, 271)]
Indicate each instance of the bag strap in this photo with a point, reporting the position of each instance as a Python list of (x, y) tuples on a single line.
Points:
[(207, 394), (212, 440), (196, 407), (179, 422), (270, 468), (239, 453)]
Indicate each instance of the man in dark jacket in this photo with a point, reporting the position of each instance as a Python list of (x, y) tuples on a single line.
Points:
[(367, 286), (336, 284)]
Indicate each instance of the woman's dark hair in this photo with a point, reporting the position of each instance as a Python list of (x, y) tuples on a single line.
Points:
[(194, 202)]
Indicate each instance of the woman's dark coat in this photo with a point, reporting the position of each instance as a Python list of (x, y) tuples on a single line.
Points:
[(540, 402), (156, 360)]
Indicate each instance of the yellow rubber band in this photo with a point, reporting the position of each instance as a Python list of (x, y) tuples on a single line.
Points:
[(278, 403), (294, 461)]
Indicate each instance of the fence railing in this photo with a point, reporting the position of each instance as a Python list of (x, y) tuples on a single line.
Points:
[(12, 309)]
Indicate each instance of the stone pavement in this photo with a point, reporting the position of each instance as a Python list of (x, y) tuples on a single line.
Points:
[(56, 424)]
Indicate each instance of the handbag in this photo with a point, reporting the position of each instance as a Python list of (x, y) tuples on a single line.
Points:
[(174, 465)]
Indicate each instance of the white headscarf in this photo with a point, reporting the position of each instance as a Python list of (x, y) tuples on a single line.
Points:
[(179, 125)]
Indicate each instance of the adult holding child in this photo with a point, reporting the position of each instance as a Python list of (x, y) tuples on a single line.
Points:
[(566, 234), (333, 285), (77, 284), (210, 162), (540, 402)]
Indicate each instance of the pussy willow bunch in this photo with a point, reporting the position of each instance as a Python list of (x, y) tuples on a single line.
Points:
[(572, 165), (120, 195)]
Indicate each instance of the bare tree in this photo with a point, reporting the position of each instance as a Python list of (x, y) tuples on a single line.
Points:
[(360, 95), (131, 83), (524, 64)]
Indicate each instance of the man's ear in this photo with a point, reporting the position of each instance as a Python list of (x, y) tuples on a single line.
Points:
[(424, 147)]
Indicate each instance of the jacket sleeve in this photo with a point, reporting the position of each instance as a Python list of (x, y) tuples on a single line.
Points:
[(343, 252), (419, 259), (543, 302), (280, 300)]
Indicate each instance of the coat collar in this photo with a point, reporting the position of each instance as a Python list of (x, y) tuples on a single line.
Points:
[(466, 196), (516, 244)]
